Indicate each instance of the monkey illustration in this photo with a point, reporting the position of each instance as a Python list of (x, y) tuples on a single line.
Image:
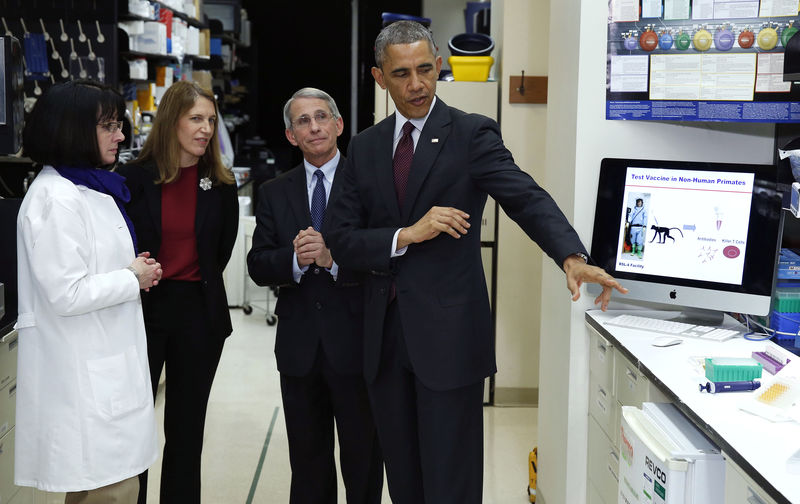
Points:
[(662, 233)]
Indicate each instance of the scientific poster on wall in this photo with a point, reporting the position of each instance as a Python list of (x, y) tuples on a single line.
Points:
[(700, 60)]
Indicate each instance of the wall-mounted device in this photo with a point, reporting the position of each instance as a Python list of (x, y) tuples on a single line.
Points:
[(229, 12), (12, 94)]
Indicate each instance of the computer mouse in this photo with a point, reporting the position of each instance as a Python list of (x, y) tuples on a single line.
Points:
[(664, 341)]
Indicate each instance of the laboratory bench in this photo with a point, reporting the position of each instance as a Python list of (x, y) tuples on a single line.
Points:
[(625, 369)]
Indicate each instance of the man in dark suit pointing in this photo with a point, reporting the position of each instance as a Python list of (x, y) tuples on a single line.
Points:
[(318, 345), (413, 184)]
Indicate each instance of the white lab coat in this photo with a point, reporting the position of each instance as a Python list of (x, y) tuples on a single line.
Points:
[(85, 414)]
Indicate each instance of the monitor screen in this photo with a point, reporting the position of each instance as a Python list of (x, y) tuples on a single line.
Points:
[(690, 234)]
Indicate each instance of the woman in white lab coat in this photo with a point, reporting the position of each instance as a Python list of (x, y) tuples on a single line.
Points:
[(85, 422)]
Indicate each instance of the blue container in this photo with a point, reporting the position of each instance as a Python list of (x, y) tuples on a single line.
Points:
[(215, 46), (785, 323), (390, 17)]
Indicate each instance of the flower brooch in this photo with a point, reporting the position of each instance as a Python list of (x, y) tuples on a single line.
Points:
[(205, 183)]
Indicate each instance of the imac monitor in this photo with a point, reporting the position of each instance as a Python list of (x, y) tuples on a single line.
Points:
[(700, 236)]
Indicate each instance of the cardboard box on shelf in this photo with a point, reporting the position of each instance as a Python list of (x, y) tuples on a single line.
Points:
[(203, 78)]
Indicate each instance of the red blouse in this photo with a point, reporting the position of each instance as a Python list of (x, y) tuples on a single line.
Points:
[(178, 253)]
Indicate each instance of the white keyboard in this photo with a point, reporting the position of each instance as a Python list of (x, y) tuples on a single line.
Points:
[(683, 329)]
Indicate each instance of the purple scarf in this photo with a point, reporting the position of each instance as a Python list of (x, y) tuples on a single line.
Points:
[(105, 182)]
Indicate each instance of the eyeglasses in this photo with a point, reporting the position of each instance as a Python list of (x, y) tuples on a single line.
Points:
[(304, 121), (111, 126)]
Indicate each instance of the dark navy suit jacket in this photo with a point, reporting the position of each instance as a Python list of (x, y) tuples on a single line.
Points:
[(440, 285), (318, 309)]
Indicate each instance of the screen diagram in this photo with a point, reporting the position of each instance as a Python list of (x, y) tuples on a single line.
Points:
[(684, 223)]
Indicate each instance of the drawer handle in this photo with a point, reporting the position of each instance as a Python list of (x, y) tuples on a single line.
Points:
[(631, 375), (600, 389), (614, 454), (8, 337), (752, 498)]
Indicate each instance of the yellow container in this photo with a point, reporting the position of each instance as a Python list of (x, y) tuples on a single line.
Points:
[(470, 68)]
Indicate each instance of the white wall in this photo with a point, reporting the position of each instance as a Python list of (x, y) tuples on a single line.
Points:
[(578, 137), (520, 30), (523, 43)]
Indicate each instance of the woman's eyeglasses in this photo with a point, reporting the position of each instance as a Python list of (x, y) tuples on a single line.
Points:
[(111, 126)]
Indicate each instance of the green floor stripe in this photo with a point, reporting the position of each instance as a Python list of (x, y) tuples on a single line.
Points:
[(257, 475)]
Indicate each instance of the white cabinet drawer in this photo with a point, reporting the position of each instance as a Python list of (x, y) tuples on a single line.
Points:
[(40, 497), (631, 386), (593, 495), (601, 360), (7, 487), (8, 358), (740, 489), (603, 463), (604, 408), (8, 407), (23, 496)]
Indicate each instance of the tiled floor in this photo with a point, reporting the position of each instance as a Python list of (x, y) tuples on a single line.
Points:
[(245, 425)]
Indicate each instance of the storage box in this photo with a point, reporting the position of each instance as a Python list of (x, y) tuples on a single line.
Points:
[(137, 68), (726, 369), (788, 264), (470, 68), (193, 41), (165, 18), (215, 46), (785, 323), (154, 38), (145, 95)]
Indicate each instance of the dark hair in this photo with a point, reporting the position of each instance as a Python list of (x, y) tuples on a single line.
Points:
[(62, 128), (640, 199), (401, 32)]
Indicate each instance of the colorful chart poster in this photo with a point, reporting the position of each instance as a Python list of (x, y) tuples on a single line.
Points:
[(771, 8), (624, 10), (651, 8), (676, 9), (701, 60)]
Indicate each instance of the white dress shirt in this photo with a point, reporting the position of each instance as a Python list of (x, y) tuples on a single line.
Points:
[(399, 122)]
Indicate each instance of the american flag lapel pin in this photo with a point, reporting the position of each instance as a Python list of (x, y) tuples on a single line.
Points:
[(434, 140)]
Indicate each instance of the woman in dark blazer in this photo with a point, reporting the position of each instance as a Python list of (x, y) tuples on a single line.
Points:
[(184, 208)]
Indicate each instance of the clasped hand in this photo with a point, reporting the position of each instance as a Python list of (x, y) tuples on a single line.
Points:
[(310, 248), (148, 270)]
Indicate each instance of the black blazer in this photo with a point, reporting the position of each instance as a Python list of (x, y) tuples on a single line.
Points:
[(216, 226), (441, 290), (318, 309)]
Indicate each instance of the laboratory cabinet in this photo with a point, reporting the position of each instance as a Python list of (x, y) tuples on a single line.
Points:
[(740, 488), (614, 382), (8, 403), (625, 369)]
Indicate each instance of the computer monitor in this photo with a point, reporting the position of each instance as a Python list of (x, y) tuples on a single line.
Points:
[(700, 236)]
